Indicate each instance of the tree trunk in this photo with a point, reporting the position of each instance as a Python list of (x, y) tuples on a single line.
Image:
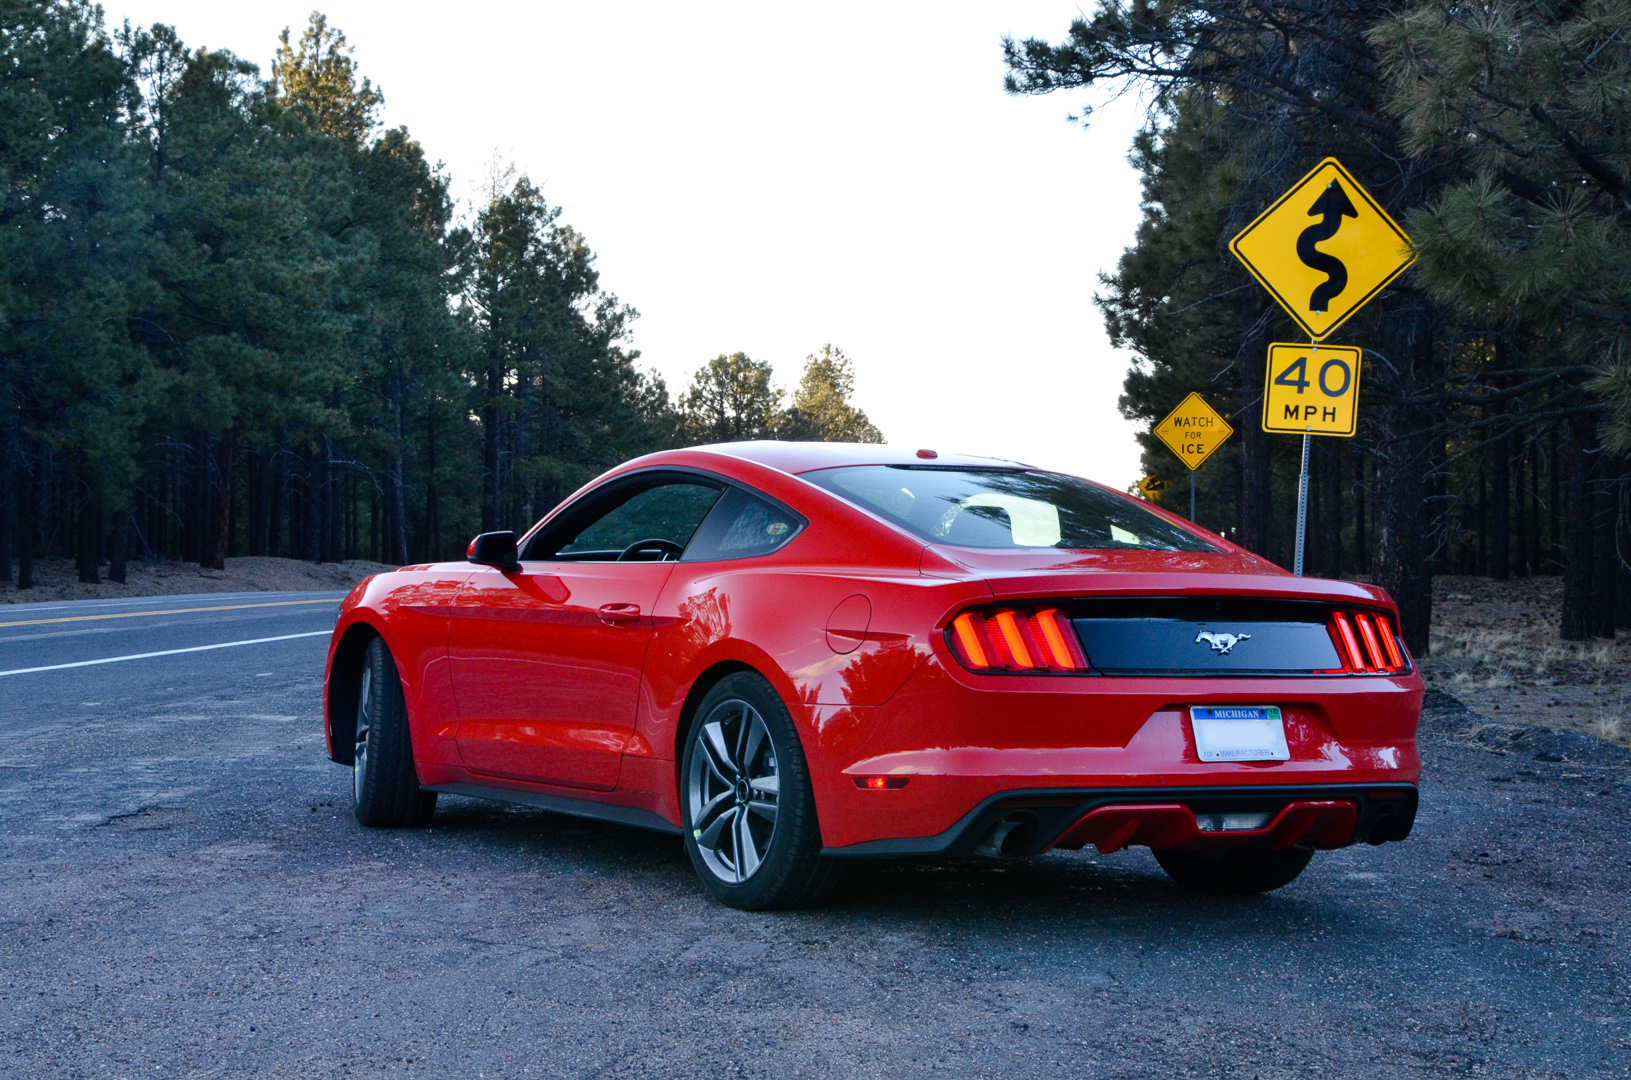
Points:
[(1255, 518), (1520, 522), (1500, 505), (232, 500), (119, 550), (489, 450), (1576, 619), (222, 522), (1532, 498), (278, 499), (399, 514), (1604, 575), (26, 502), (1405, 478), (1362, 546), (1622, 547), (433, 513), (335, 502), (1331, 507), (90, 528), (199, 541), (1480, 556), (8, 488), (1554, 555), (399, 495), (311, 507)]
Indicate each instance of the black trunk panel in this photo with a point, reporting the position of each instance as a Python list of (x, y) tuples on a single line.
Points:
[(1205, 636)]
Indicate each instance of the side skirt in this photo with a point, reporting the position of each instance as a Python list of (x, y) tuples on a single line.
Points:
[(561, 804)]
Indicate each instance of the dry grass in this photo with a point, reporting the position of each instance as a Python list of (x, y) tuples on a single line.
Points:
[(1496, 647)]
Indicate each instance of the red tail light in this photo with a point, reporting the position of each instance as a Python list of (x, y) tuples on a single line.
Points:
[(1014, 639), (1366, 643)]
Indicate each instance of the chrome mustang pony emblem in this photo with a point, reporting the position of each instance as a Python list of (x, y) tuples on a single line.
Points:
[(1221, 643)]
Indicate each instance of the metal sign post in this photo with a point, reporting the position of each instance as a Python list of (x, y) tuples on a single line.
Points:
[(1302, 506)]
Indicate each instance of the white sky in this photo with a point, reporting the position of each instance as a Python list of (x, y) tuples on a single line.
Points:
[(762, 178)]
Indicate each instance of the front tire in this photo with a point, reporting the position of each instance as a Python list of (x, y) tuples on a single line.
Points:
[(1235, 872), (385, 791), (750, 814)]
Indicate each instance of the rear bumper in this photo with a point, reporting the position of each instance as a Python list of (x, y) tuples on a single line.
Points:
[(1021, 823)]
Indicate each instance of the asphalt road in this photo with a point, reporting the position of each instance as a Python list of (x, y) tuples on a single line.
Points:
[(183, 893)]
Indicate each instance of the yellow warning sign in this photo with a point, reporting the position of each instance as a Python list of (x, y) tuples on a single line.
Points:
[(1193, 430), (1151, 484), (1312, 389), (1324, 249)]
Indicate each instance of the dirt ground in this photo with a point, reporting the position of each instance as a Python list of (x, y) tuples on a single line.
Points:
[(1495, 646), (56, 579)]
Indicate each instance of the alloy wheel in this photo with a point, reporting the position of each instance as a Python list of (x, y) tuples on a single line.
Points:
[(733, 791), (359, 753)]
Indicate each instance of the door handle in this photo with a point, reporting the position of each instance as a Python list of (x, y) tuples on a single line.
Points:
[(619, 614)]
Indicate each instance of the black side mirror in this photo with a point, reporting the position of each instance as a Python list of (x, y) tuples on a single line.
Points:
[(494, 549)]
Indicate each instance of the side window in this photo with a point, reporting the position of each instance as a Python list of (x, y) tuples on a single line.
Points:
[(661, 519), (741, 526)]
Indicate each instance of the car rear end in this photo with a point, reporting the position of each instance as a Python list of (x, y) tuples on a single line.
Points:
[(1189, 697), (1169, 719)]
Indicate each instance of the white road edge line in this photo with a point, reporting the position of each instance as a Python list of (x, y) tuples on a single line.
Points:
[(166, 652)]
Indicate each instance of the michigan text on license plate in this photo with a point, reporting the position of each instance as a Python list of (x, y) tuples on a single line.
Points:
[(1239, 733)]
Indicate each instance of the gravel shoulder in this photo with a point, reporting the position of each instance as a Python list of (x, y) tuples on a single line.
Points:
[(57, 579), (186, 895)]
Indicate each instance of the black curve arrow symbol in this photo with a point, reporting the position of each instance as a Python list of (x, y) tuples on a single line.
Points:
[(1332, 206)]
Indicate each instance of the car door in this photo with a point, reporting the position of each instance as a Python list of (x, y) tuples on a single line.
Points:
[(546, 659)]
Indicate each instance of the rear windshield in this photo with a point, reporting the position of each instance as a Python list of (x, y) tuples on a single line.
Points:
[(1004, 508)]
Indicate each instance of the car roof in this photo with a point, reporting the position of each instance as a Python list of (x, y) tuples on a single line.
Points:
[(801, 457)]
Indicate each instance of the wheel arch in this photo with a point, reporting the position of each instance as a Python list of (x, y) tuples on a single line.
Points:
[(345, 674), (705, 682)]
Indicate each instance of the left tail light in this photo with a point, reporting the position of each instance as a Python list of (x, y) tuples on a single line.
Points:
[(1016, 639)]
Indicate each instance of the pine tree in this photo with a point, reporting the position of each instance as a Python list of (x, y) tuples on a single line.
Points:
[(1527, 104), (821, 409), (731, 399)]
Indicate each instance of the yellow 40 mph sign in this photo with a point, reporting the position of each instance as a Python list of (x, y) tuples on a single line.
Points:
[(1312, 390)]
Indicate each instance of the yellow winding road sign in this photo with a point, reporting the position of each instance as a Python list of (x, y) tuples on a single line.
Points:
[(1311, 390), (1324, 249), (1193, 431)]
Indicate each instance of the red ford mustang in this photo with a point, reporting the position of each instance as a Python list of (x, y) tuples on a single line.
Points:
[(799, 654)]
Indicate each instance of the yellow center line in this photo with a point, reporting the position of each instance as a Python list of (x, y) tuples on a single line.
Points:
[(169, 611)]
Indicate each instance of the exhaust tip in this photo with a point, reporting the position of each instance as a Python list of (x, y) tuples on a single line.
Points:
[(1013, 835)]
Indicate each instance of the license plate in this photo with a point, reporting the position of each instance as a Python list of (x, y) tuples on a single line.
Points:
[(1239, 733)]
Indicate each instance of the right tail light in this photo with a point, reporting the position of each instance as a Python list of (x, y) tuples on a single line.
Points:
[(1367, 644)]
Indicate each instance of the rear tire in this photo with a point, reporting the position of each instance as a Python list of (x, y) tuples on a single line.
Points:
[(750, 815), (1236, 872), (385, 791)]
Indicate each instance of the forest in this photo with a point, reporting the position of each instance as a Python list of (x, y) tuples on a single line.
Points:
[(240, 317), (1495, 413)]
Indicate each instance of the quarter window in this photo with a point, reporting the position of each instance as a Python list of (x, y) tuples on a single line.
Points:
[(741, 526)]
